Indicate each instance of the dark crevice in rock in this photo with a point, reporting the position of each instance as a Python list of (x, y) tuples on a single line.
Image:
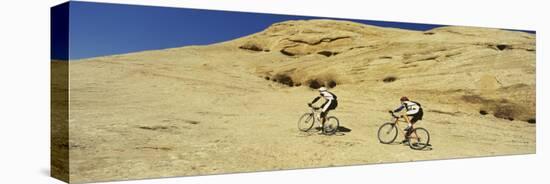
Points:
[(460, 33), (359, 47), (328, 53), (409, 66), (320, 41), (452, 54), (283, 51), (287, 80), (428, 58), (502, 47), (331, 84), (498, 47), (314, 84), (483, 112), (251, 47), (389, 79), (443, 112), (284, 79)]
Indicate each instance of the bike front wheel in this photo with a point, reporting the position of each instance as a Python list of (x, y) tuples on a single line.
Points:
[(331, 125), (419, 138), (305, 122), (387, 133)]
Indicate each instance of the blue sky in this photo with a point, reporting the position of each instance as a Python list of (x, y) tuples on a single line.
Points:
[(99, 29)]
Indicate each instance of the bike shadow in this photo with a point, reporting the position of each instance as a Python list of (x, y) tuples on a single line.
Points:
[(342, 130), (427, 148)]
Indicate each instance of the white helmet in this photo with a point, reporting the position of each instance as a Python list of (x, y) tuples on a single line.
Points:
[(322, 89)]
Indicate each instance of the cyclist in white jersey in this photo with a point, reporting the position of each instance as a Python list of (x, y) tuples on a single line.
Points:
[(413, 111), (331, 102)]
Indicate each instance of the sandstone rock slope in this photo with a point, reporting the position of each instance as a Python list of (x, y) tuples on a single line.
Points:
[(233, 106)]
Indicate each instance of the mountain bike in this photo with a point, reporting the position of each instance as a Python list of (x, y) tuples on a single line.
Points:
[(307, 120), (418, 138)]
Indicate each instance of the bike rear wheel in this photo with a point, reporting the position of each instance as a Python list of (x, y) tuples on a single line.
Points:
[(305, 122), (331, 125), (419, 138), (387, 133)]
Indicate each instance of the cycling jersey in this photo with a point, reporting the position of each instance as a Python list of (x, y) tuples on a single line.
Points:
[(330, 103), (328, 95), (411, 107)]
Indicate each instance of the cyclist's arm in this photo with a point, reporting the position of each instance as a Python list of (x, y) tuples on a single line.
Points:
[(399, 108), (315, 100)]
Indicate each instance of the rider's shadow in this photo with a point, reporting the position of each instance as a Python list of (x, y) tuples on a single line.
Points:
[(427, 148), (342, 130)]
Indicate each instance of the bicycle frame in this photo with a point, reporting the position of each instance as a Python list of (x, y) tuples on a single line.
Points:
[(316, 114), (406, 120)]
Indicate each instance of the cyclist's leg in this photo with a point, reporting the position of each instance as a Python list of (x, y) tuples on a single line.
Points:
[(324, 115), (325, 106), (410, 119), (324, 109), (413, 119)]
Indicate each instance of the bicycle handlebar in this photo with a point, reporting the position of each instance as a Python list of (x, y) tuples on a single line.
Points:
[(392, 114)]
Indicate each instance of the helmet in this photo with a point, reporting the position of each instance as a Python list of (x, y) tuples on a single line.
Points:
[(322, 89), (404, 98)]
